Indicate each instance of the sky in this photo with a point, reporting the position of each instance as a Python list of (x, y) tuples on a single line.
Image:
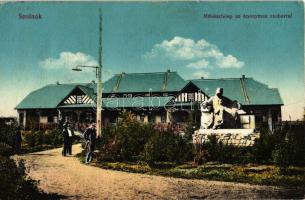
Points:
[(152, 37)]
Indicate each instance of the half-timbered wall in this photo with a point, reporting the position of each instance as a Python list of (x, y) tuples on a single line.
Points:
[(190, 97), (78, 99)]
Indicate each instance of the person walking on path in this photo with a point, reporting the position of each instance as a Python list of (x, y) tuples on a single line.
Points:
[(90, 137), (66, 139)]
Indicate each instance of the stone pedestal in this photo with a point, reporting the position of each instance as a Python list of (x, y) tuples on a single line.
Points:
[(236, 137)]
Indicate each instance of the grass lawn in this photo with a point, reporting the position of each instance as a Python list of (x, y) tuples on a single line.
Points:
[(250, 173)]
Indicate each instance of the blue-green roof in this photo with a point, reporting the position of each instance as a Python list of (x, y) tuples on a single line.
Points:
[(46, 97), (261, 94), (246, 91), (144, 82), (77, 106), (88, 90)]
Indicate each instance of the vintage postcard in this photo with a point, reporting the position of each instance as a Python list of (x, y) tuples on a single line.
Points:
[(152, 100)]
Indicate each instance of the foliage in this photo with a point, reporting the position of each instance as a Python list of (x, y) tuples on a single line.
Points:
[(131, 140), (265, 145), (189, 131), (250, 173), (14, 184), (167, 146), (227, 153), (39, 138), (284, 146), (281, 155), (7, 138), (125, 141), (201, 157)]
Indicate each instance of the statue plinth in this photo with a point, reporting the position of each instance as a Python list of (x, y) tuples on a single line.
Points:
[(235, 137)]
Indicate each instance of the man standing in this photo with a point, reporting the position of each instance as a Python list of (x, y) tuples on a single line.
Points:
[(70, 139), (66, 139), (90, 137)]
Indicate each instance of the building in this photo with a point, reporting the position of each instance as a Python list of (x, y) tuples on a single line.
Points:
[(161, 97)]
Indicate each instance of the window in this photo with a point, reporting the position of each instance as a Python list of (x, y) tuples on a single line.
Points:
[(79, 99), (190, 97)]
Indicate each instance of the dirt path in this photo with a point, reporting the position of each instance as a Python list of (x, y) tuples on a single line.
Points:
[(68, 177)]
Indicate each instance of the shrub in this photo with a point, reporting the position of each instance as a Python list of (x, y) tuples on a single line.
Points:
[(227, 153), (7, 138), (281, 155), (167, 146), (13, 182), (265, 145), (29, 138), (131, 140), (201, 157), (39, 138), (284, 146), (125, 141)]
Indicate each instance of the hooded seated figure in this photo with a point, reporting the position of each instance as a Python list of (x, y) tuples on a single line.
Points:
[(222, 110)]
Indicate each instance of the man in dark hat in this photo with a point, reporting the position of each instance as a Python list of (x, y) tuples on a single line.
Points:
[(90, 137), (66, 139), (70, 139)]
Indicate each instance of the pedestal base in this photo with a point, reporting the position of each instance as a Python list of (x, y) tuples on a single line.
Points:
[(236, 137)]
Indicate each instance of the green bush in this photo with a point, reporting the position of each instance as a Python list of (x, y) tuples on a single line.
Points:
[(167, 146), (29, 138), (284, 146), (125, 141), (14, 184), (227, 153), (265, 145), (282, 155), (131, 140), (40, 138)]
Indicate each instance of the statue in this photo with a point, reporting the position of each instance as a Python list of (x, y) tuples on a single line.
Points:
[(219, 112)]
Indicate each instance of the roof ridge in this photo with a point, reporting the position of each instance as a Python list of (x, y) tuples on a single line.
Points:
[(51, 84), (145, 73), (232, 78)]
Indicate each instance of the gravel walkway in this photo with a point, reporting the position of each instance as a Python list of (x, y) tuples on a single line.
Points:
[(68, 177)]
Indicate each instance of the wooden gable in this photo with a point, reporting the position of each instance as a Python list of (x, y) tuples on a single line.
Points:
[(77, 96), (191, 93)]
